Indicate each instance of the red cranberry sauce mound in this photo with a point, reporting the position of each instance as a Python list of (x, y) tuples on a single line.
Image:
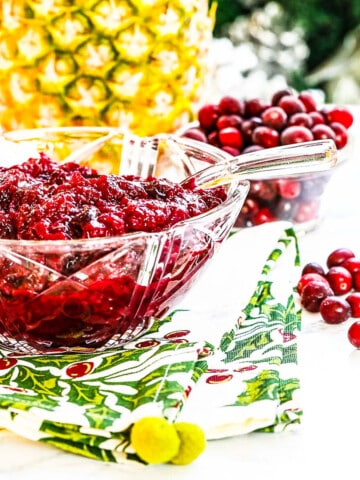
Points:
[(241, 126), (44, 200), (64, 297)]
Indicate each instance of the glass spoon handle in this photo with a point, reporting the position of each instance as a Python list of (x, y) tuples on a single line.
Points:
[(284, 161)]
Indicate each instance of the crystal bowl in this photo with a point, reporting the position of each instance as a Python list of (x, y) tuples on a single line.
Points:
[(92, 294), (299, 199)]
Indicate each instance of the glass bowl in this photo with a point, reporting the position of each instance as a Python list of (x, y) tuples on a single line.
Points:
[(97, 293), (298, 199)]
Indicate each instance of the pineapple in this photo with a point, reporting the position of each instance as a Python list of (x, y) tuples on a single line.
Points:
[(138, 64)]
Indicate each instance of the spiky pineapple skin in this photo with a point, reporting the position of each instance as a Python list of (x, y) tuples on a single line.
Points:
[(139, 64)]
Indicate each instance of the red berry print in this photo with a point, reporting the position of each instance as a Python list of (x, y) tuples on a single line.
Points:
[(6, 363), (79, 369), (219, 378)]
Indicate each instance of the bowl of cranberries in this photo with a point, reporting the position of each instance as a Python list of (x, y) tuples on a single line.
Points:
[(88, 260), (240, 126)]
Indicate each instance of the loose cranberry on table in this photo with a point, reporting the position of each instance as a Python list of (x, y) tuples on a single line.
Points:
[(354, 301), (335, 310), (313, 267), (340, 280), (338, 256), (310, 277), (314, 293), (240, 126), (354, 334), (352, 264), (343, 278)]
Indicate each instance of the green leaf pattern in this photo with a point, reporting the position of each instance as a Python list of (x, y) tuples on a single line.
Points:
[(86, 403)]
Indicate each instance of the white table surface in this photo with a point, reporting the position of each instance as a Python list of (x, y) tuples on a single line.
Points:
[(324, 446)]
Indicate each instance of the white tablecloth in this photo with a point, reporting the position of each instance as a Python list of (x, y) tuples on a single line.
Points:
[(325, 446)]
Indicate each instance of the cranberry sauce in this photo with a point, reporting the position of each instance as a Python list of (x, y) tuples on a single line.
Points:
[(44, 200), (77, 296)]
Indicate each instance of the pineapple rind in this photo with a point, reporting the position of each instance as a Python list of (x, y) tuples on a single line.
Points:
[(138, 64)]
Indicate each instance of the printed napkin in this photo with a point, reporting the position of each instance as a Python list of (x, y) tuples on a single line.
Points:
[(225, 358)]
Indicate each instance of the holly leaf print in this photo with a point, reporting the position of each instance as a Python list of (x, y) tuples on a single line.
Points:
[(264, 386)]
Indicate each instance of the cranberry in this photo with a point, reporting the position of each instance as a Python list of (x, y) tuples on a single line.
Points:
[(313, 187), (307, 211), (351, 263), (264, 215), (313, 293), (289, 188), (284, 209), (296, 134), (228, 121), (207, 116), (231, 150), (308, 101), (213, 138), (196, 134), (231, 105), (338, 256), (313, 267), (356, 281), (249, 209), (321, 132), (316, 118), (354, 334), (266, 137), (254, 107), (248, 126), (252, 148), (264, 190), (281, 93), (354, 300), (310, 277), (300, 118), (341, 135), (341, 115), (274, 117), (335, 310), (291, 104), (231, 137), (340, 280)]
